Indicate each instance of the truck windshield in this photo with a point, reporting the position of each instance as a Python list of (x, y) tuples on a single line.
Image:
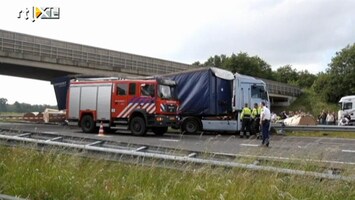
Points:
[(258, 91), (347, 106), (148, 90), (166, 92)]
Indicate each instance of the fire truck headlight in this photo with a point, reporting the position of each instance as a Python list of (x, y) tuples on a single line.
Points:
[(159, 119)]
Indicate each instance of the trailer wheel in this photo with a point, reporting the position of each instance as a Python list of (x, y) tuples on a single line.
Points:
[(137, 126), (159, 130), (87, 124), (191, 126)]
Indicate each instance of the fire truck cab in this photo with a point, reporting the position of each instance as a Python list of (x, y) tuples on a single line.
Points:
[(139, 105)]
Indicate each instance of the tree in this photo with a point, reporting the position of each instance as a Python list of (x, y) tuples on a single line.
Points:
[(18, 107), (3, 104), (241, 63), (338, 80), (215, 61), (286, 74), (321, 85), (305, 79), (197, 64)]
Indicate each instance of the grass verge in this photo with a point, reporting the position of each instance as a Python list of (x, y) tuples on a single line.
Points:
[(52, 175)]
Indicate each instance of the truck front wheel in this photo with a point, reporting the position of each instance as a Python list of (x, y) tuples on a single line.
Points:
[(137, 126), (191, 126), (87, 124)]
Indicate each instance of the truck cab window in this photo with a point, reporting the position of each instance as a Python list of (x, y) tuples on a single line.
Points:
[(122, 89), (166, 92), (258, 92), (148, 90), (132, 89), (347, 106)]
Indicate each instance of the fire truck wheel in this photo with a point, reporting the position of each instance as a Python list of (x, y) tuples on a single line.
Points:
[(137, 126), (87, 124), (191, 126), (159, 130)]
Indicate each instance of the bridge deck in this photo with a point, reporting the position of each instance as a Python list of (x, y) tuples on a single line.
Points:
[(59, 52), (49, 58)]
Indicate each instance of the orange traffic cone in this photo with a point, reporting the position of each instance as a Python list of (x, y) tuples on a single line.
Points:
[(101, 130)]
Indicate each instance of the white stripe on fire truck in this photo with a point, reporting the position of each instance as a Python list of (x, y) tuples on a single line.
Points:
[(124, 110), (135, 106), (162, 107), (154, 109), (130, 110), (145, 105), (151, 108)]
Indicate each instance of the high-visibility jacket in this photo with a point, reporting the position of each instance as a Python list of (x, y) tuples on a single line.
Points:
[(256, 112), (246, 113)]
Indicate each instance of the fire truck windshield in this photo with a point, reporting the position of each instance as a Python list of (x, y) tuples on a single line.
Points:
[(165, 92)]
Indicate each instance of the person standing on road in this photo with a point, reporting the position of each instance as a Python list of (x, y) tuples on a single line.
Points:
[(245, 117), (265, 117), (255, 115)]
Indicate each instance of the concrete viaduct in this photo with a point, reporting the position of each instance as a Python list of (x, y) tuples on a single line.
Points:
[(40, 58)]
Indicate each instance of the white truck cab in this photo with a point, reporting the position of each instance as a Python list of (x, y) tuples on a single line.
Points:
[(247, 89), (347, 108)]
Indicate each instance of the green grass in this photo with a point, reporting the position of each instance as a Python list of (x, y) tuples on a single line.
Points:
[(52, 175), (311, 102), (349, 135)]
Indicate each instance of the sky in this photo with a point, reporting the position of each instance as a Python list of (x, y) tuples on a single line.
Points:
[(303, 33)]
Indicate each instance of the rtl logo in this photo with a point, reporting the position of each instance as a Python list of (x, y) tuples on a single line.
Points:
[(40, 13)]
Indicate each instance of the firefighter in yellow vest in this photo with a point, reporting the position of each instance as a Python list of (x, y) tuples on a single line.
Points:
[(255, 116), (245, 116)]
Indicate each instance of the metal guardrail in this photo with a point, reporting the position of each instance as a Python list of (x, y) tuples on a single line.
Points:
[(145, 153), (82, 55), (7, 197), (315, 128)]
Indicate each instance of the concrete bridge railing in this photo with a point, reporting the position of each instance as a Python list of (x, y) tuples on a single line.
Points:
[(53, 51)]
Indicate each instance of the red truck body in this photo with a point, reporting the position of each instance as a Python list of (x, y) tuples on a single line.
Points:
[(139, 105)]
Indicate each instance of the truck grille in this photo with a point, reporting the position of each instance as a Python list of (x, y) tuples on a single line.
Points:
[(168, 108)]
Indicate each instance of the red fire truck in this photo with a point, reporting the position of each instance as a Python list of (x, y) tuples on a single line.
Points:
[(139, 105)]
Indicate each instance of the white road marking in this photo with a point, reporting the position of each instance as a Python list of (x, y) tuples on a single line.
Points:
[(348, 151), (50, 132), (169, 140), (249, 145)]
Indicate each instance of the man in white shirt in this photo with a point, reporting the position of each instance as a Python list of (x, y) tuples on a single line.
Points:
[(265, 117)]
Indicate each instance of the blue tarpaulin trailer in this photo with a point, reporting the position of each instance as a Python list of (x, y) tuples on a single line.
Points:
[(204, 91), (61, 85)]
